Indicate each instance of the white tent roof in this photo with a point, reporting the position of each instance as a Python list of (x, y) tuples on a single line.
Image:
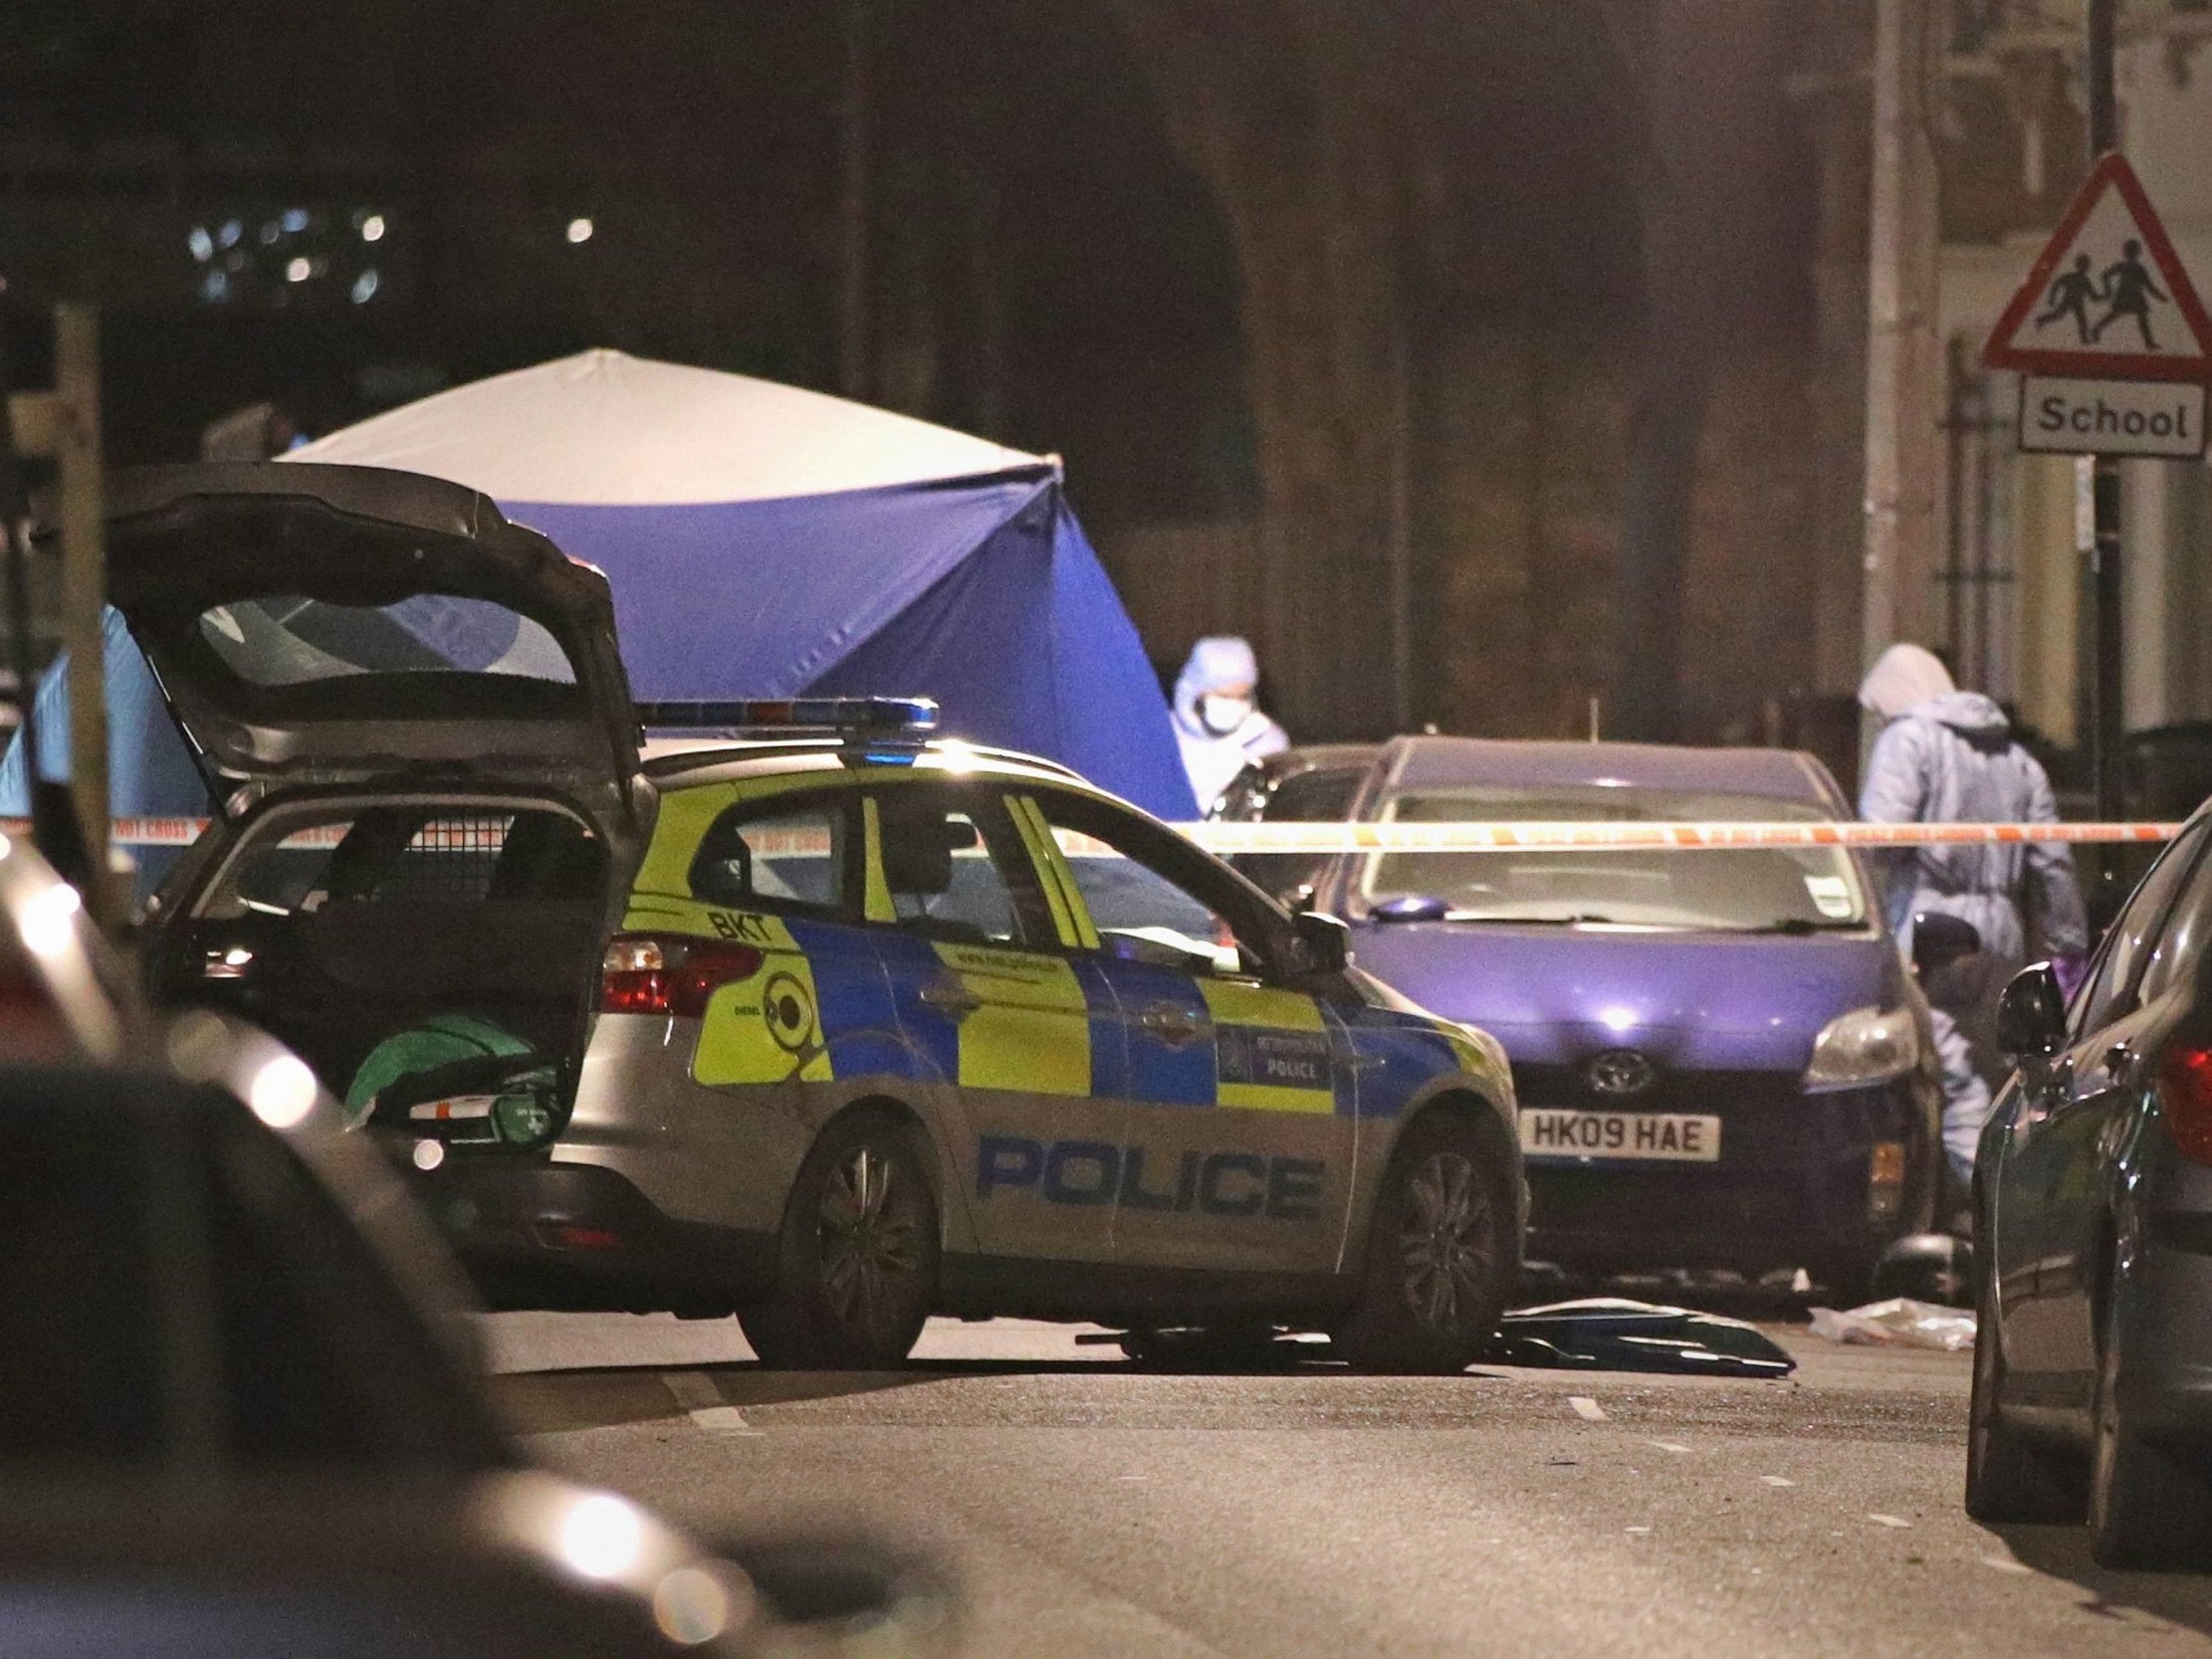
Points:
[(609, 429)]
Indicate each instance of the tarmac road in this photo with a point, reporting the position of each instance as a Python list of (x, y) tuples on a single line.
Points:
[(1091, 1509)]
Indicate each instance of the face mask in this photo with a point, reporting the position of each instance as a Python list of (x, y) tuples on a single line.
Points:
[(1223, 715)]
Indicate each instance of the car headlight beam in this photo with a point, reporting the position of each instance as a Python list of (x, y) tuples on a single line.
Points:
[(1866, 1046)]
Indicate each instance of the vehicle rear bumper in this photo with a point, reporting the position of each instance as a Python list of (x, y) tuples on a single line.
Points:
[(540, 1234), (1792, 1187)]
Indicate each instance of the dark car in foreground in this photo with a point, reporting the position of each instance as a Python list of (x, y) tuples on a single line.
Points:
[(2092, 1374), (1720, 1060), (239, 1409)]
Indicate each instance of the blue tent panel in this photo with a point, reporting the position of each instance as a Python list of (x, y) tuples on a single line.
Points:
[(795, 584), (980, 592), (1027, 647), (149, 771)]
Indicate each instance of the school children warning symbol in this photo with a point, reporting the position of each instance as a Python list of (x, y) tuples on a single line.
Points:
[(2108, 299), (2109, 338)]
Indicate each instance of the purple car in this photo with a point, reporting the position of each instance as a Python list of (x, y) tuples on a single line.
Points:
[(1721, 1059)]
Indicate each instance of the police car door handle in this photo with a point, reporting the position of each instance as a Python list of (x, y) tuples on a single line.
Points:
[(1174, 1025), (952, 997)]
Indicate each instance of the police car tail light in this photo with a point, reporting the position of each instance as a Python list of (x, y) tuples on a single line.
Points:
[(645, 973), (2185, 1097)]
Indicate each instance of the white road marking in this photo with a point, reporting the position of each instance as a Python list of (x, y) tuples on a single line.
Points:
[(1589, 1410), (694, 1391), (1669, 1445), (2004, 1563), (723, 1419), (1639, 1530), (1777, 1480), (1889, 1521), (703, 1403)]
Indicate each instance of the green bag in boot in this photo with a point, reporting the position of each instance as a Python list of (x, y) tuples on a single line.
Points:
[(486, 1083)]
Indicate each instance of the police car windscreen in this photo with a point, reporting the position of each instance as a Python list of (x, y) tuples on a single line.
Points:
[(287, 640), (1762, 889)]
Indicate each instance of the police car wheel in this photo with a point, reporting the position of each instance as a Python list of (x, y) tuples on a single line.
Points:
[(1435, 1286), (858, 1261)]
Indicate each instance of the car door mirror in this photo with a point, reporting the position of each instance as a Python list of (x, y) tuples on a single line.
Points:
[(2031, 1015), (1322, 944)]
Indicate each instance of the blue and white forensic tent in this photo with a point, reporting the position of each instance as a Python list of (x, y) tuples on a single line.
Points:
[(762, 541)]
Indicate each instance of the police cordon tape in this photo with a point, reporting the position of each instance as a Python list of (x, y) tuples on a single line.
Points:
[(1471, 837), (1476, 837)]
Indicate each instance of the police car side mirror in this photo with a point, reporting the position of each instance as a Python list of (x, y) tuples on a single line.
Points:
[(1322, 944), (2031, 1015)]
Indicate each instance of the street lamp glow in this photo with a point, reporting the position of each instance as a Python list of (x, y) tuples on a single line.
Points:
[(373, 228), (282, 1093), (579, 230), (47, 920), (299, 271), (602, 1537)]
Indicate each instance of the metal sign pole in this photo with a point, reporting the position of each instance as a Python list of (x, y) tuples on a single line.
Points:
[(2109, 720)]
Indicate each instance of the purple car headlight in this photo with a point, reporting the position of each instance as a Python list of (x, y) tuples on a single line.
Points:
[(1863, 1047)]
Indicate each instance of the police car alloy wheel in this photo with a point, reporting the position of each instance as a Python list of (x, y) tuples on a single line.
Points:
[(858, 1261), (1435, 1286)]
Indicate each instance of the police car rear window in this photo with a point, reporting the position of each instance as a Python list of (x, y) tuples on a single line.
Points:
[(288, 640), (946, 866), (778, 859)]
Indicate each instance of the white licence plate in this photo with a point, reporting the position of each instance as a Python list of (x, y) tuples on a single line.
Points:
[(1660, 1137)]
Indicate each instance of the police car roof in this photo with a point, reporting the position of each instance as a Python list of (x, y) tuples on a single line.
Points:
[(1426, 762), (683, 763)]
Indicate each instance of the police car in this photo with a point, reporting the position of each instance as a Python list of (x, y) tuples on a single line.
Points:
[(831, 1024)]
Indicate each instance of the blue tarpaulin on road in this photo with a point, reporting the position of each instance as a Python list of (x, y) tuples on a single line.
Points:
[(762, 541)]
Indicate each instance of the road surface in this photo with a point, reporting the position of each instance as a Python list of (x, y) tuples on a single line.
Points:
[(1091, 1509)]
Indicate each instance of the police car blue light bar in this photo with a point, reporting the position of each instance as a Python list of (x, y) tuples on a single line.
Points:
[(874, 716)]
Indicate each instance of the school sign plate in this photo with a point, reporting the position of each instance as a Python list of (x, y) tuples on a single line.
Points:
[(2111, 417), (2112, 344)]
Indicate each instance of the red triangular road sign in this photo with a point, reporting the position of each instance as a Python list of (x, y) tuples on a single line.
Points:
[(2107, 299)]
